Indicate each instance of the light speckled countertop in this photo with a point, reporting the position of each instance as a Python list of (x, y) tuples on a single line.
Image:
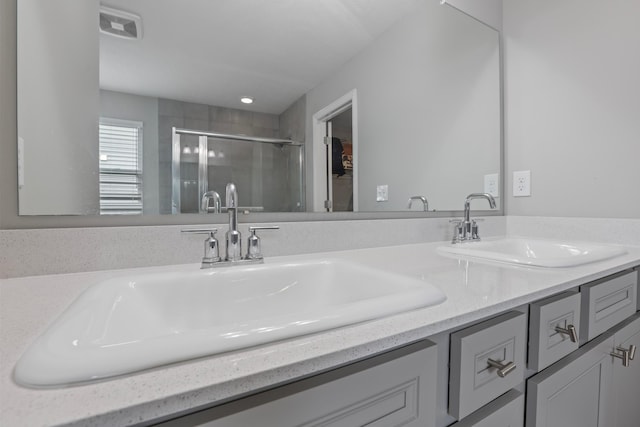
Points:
[(474, 290)]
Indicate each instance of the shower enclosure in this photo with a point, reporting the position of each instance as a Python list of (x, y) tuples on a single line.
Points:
[(268, 172)]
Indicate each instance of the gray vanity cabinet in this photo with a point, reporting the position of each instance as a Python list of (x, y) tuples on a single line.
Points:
[(626, 379), (575, 391), (397, 388)]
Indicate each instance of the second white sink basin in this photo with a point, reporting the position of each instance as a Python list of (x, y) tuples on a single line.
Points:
[(126, 324), (541, 253)]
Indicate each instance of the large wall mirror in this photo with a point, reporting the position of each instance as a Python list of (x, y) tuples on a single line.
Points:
[(140, 107)]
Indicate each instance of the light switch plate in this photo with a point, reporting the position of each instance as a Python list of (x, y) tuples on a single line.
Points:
[(382, 193), (522, 184)]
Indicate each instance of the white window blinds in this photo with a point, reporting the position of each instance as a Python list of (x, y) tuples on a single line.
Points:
[(120, 167)]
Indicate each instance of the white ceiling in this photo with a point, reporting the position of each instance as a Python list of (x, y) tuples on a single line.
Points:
[(214, 51)]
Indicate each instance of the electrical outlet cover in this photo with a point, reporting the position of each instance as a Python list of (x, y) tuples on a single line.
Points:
[(522, 184), (491, 185), (382, 193)]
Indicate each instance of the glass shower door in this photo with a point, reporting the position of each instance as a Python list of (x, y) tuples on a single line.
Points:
[(268, 175)]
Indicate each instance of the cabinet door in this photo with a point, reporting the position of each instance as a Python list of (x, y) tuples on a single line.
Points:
[(626, 379), (575, 391), (505, 411), (397, 388)]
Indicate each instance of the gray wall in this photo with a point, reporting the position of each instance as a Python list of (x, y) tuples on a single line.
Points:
[(573, 106), (124, 106), (557, 68), (423, 109), (58, 123)]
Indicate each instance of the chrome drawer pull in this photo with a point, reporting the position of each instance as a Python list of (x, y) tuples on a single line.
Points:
[(570, 330), (504, 369), (626, 355)]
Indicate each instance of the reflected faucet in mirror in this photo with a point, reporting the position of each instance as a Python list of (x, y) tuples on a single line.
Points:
[(467, 229), (217, 203), (233, 236), (425, 202)]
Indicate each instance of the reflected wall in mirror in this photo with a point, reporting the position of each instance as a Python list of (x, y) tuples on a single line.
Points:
[(97, 109)]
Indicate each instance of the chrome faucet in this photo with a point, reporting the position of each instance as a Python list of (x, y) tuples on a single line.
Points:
[(204, 202), (234, 256), (234, 238), (467, 229), (425, 202)]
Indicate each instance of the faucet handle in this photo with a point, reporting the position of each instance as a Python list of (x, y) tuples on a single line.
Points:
[(474, 230), (211, 245), (199, 230), (254, 251), (458, 231)]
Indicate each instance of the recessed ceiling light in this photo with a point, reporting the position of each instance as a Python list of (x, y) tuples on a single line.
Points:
[(246, 100)]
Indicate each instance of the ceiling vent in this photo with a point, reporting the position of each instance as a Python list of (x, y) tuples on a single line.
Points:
[(120, 24)]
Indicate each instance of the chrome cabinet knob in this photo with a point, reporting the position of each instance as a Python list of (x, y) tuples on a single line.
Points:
[(569, 330), (504, 369)]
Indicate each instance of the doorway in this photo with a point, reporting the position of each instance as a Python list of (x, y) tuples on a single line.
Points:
[(335, 146), (340, 131)]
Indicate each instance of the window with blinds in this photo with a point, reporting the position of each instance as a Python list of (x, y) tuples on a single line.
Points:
[(120, 167)]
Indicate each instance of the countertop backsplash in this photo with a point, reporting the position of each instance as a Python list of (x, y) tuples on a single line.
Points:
[(68, 250)]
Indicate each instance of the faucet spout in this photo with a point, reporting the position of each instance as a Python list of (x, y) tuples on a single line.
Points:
[(204, 202), (468, 230), (472, 196), (425, 202), (233, 236)]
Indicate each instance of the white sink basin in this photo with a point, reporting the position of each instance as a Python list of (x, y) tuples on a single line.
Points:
[(541, 253), (126, 324)]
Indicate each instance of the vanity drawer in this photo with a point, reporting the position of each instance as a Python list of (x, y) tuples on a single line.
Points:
[(554, 325), (505, 411), (473, 382), (607, 302)]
